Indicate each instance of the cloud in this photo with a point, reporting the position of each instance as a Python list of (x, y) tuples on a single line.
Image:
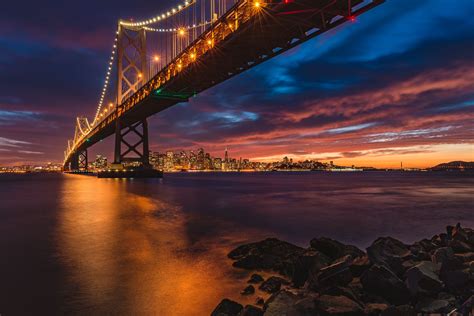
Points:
[(8, 142), (31, 152)]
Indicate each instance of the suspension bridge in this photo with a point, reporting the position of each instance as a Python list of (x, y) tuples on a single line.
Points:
[(171, 57)]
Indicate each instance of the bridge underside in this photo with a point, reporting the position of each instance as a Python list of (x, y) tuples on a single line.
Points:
[(276, 29)]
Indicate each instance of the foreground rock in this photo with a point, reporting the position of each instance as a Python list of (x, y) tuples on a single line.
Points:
[(227, 308), (431, 276)]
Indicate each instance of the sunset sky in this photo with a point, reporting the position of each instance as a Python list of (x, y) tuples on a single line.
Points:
[(395, 85)]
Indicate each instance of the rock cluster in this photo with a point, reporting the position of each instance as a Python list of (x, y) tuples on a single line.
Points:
[(431, 276)]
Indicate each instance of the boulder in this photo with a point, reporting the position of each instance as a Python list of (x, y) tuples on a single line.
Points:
[(423, 279), (421, 249), (255, 278), (430, 305), (454, 275), (390, 252), (459, 233), (333, 275), (465, 257), (375, 309), (460, 246), (272, 284), (337, 305), (359, 265), (305, 306), (227, 308), (280, 303), (270, 253), (250, 310), (442, 254), (424, 245), (468, 306), (334, 249), (401, 310), (342, 291), (249, 290), (379, 280), (259, 301), (300, 267)]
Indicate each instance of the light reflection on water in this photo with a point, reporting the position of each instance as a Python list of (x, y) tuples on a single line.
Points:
[(78, 244), (129, 254)]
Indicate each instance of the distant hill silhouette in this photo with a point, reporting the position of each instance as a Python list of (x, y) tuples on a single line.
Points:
[(454, 166)]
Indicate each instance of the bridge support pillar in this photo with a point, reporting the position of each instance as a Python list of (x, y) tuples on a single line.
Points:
[(83, 160), (129, 139), (79, 161)]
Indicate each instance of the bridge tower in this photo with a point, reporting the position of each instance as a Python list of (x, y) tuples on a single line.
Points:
[(132, 73), (79, 161)]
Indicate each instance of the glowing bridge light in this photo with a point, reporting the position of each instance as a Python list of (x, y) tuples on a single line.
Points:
[(351, 18), (156, 58), (257, 4)]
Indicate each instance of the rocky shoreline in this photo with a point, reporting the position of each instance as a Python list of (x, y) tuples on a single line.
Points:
[(430, 276)]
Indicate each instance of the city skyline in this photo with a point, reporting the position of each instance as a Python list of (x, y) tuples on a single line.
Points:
[(351, 96), (198, 159)]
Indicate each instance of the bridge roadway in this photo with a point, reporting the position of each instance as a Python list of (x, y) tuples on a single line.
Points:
[(244, 37)]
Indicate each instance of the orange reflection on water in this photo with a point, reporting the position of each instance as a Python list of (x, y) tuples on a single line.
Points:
[(127, 253)]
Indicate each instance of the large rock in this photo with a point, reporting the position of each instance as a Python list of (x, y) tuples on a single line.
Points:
[(343, 291), (430, 305), (305, 306), (454, 275), (227, 308), (401, 310), (335, 249), (374, 309), (280, 304), (249, 290), (460, 246), (255, 278), (270, 253), (300, 267), (272, 284), (390, 252), (423, 279), (468, 306), (459, 233), (360, 265), (250, 310), (442, 254), (338, 305), (379, 280), (333, 275)]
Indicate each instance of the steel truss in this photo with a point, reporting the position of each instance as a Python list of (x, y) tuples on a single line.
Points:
[(139, 129)]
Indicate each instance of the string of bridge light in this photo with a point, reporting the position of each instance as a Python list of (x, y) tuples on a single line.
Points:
[(161, 16), (172, 30), (107, 79), (98, 114)]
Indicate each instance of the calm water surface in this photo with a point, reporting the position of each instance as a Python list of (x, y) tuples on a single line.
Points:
[(81, 245)]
